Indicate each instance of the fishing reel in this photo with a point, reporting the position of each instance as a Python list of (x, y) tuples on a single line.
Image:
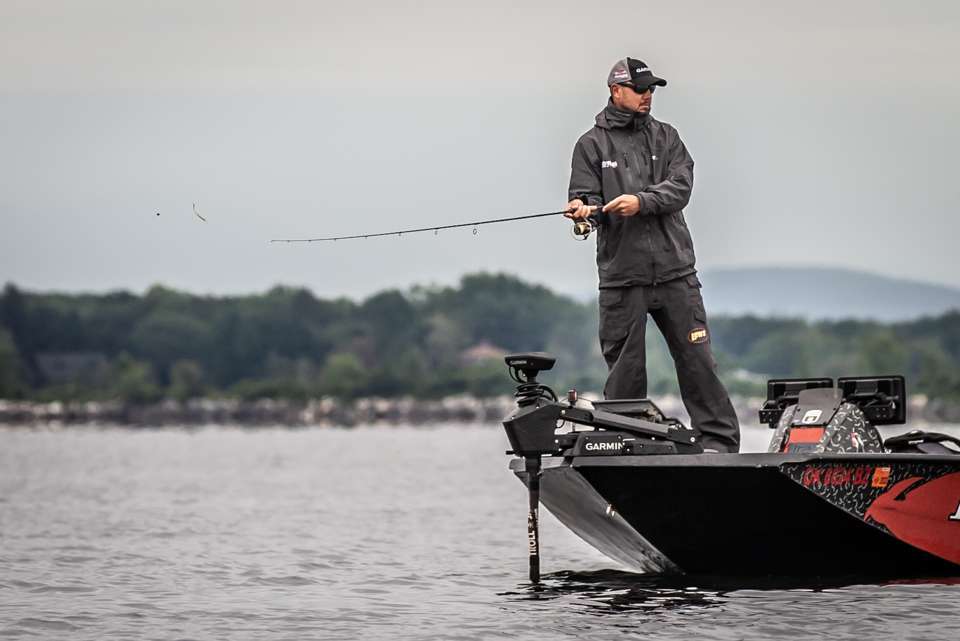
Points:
[(584, 227)]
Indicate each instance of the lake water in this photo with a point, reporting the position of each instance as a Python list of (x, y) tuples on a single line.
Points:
[(372, 533)]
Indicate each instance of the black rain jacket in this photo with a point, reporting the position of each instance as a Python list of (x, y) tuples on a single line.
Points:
[(628, 153)]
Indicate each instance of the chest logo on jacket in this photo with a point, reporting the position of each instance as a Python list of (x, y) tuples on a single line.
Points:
[(608, 164)]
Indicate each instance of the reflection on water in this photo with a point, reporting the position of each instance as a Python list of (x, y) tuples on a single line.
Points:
[(610, 604), (617, 591)]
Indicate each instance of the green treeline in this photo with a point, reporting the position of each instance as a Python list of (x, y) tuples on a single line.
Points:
[(426, 342)]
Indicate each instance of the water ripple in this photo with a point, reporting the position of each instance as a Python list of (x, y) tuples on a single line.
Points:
[(282, 580), (52, 625)]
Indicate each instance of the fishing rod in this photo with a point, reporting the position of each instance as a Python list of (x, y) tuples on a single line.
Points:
[(581, 228)]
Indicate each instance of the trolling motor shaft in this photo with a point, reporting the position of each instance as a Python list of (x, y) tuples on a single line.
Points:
[(533, 519)]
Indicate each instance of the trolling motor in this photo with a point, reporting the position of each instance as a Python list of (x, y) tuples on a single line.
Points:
[(524, 369), (620, 427)]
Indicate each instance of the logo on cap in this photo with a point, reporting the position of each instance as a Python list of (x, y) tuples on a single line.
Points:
[(642, 69)]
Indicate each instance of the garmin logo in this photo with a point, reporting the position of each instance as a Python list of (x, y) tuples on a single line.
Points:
[(604, 447), (608, 164)]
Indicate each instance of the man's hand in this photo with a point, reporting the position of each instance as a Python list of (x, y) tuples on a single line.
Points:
[(625, 205), (577, 210)]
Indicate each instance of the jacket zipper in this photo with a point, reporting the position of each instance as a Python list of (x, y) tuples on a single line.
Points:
[(653, 260)]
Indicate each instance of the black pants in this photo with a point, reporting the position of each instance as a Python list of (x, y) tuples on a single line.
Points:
[(677, 308)]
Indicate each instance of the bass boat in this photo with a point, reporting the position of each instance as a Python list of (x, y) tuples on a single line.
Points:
[(829, 498)]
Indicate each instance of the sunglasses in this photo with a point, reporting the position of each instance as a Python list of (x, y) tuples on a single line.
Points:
[(650, 88)]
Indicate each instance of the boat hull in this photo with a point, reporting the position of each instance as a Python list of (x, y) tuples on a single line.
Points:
[(763, 514)]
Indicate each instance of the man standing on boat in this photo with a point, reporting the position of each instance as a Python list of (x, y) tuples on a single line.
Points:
[(637, 170)]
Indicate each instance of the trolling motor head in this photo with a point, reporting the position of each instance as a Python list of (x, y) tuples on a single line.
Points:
[(524, 368)]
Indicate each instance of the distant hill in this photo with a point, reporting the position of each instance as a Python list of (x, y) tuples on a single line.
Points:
[(826, 293)]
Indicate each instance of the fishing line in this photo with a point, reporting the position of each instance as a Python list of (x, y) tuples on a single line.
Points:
[(435, 229)]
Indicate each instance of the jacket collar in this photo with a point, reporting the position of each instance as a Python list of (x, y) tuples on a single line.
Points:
[(614, 118)]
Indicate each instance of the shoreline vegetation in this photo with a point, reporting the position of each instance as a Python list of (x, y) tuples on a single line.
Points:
[(330, 412), (427, 354)]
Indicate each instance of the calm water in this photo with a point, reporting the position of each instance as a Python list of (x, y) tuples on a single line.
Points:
[(377, 533)]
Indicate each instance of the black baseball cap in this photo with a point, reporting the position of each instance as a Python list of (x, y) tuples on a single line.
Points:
[(630, 71)]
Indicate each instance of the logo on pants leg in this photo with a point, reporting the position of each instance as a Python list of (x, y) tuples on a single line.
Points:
[(698, 335)]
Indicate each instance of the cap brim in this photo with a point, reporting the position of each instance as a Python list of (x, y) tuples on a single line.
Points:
[(646, 81)]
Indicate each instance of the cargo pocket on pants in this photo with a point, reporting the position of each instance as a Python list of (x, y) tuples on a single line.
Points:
[(614, 314), (615, 323)]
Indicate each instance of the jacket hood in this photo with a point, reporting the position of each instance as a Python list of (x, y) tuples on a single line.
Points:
[(613, 117)]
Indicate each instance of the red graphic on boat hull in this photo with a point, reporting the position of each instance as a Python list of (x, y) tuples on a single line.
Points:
[(918, 512)]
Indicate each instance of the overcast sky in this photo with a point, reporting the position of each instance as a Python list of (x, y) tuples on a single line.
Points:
[(824, 133)]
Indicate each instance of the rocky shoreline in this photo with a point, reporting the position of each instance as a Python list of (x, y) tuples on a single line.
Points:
[(331, 412), (260, 413)]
